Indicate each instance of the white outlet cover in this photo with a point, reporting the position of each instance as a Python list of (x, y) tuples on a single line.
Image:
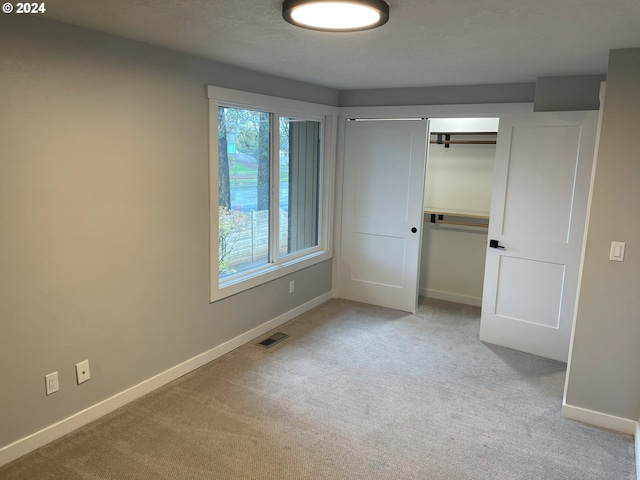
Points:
[(51, 382), (82, 371)]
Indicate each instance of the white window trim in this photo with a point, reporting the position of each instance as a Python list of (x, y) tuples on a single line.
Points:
[(284, 107)]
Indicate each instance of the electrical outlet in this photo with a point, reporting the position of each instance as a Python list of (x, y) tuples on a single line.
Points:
[(82, 371), (51, 382), (292, 286)]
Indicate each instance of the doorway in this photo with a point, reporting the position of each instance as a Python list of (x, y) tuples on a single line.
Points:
[(540, 189), (457, 200)]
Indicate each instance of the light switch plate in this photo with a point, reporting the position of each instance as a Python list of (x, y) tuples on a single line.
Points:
[(617, 251)]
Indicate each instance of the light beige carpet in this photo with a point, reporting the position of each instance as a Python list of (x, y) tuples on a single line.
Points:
[(356, 392)]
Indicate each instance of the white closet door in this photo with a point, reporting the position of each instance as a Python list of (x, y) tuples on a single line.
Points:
[(538, 213), (382, 218)]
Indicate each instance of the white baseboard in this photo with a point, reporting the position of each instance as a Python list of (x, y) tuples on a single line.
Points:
[(52, 432), (451, 297), (623, 425), (638, 449)]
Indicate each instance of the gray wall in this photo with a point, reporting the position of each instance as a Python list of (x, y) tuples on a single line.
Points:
[(105, 220), (548, 94), (463, 94), (604, 373), (568, 93)]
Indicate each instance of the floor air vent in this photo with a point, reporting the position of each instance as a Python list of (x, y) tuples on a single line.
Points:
[(273, 339)]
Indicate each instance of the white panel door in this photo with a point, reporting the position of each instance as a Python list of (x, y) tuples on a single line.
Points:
[(382, 214), (538, 213)]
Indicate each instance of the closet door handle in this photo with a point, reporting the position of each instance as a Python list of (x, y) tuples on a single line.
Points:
[(414, 229), (496, 244)]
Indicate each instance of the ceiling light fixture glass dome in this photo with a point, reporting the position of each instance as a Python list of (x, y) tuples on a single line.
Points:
[(336, 15)]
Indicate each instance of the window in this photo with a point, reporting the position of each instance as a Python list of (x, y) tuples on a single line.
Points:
[(271, 168)]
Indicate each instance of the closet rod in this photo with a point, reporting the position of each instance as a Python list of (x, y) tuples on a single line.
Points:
[(466, 224)]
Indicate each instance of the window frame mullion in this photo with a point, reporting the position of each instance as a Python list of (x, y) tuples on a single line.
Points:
[(274, 178)]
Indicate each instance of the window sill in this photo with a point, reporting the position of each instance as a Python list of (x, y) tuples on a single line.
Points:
[(268, 273)]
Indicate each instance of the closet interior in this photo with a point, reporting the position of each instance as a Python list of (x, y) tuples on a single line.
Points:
[(457, 200)]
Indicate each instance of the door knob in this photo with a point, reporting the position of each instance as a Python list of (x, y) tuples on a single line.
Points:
[(414, 229), (496, 244)]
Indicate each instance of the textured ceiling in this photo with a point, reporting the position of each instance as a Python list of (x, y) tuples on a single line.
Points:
[(425, 43)]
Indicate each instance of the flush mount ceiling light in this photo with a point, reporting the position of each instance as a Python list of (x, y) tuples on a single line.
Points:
[(336, 15)]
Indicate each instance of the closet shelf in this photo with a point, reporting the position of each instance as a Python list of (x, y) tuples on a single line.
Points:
[(444, 138), (460, 218)]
